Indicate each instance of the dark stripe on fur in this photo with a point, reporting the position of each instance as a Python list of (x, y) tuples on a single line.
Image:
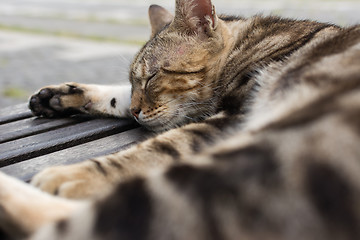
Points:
[(99, 167), (263, 28), (222, 123), (318, 109), (195, 145), (352, 119), (126, 213), (333, 198), (178, 72), (233, 104), (287, 50), (113, 161), (342, 41), (204, 134), (166, 148), (227, 186), (254, 162), (230, 18), (62, 226), (267, 27), (205, 185)]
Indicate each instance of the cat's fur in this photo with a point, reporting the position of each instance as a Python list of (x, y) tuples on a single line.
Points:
[(265, 119)]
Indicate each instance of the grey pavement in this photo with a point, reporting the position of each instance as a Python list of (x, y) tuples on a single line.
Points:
[(28, 62), (121, 32), (46, 42)]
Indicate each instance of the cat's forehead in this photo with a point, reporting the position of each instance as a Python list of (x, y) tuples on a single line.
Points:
[(166, 51), (151, 56), (146, 63)]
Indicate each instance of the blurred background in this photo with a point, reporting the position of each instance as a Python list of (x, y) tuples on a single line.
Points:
[(45, 42)]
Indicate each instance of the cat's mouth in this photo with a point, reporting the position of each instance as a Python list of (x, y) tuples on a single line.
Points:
[(161, 122), (168, 117)]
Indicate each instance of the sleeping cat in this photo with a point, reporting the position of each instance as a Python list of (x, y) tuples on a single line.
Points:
[(258, 123)]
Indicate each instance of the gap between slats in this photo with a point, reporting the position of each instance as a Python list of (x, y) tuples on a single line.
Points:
[(28, 127), (104, 146), (44, 143)]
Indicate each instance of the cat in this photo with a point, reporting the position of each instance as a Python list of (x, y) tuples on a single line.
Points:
[(258, 123)]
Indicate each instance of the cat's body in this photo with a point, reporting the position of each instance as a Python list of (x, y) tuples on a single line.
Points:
[(273, 152)]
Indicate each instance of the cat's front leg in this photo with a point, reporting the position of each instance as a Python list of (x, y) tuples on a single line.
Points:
[(25, 209), (97, 176), (77, 181), (69, 98)]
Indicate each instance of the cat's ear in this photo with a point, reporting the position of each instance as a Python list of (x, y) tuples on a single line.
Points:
[(195, 16), (159, 18)]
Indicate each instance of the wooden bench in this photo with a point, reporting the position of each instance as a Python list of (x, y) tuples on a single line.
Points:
[(29, 144)]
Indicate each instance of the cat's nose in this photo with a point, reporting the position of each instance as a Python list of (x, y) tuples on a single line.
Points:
[(135, 112)]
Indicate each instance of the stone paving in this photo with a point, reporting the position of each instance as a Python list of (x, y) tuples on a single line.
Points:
[(31, 56), (28, 62)]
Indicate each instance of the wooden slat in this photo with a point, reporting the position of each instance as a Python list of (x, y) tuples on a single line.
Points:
[(17, 109), (47, 142), (29, 144), (14, 113), (111, 144), (31, 126)]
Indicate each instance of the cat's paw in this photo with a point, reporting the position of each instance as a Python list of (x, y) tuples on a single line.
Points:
[(73, 181), (59, 100)]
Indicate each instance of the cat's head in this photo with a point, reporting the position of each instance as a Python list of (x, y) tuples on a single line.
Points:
[(174, 75)]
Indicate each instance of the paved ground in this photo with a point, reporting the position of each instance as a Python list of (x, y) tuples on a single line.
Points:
[(28, 62), (45, 42)]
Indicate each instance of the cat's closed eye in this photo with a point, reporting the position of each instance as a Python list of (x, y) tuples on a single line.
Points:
[(149, 79), (184, 71)]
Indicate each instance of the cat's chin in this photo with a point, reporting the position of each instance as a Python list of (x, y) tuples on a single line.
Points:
[(161, 125), (158, 128)]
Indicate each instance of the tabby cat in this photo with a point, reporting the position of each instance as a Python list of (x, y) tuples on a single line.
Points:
[(259, 131)]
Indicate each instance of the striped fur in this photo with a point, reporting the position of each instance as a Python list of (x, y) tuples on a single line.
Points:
[(260, 122)]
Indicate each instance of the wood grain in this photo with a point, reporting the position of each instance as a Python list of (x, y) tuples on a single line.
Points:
[(24, 141)]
